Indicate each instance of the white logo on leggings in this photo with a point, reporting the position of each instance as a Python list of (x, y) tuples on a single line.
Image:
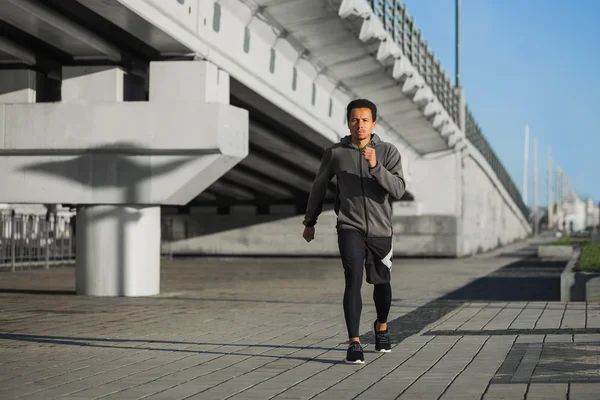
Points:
[(387, 260)]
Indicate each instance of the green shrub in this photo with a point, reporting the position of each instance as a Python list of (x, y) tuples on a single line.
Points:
[(568, 241), (590, 258)]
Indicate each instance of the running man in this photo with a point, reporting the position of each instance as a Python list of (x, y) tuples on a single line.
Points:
[(369, 176)]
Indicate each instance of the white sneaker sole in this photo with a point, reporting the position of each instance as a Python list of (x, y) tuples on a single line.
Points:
[(355, 362)]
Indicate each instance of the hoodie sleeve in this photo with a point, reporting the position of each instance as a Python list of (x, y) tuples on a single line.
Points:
[(318, 191), (389, 175)]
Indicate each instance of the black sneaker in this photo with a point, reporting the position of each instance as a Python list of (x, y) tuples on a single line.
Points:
[(355, 354), (382, 340)]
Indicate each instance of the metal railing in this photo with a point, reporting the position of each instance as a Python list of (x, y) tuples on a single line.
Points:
[(403, 30), (33, 240), (178, 228)]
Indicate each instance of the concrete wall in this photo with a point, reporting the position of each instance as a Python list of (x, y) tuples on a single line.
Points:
[(434, 183), (425, 235), (414, 236), (491, 219), (204, 220)]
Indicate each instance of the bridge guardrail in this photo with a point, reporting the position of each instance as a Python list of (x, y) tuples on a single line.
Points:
[(34, 240), (400, 25)]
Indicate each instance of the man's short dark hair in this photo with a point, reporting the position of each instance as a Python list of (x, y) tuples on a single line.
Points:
[(361, 103)]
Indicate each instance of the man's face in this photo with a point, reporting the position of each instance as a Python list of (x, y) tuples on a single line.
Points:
[(361, 123)]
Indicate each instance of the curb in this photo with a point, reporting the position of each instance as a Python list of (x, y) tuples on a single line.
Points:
[(555, 252), (576, 285)]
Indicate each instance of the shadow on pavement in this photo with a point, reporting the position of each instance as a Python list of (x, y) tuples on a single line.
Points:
[(528, 251), (529, 279), (109, 343), (261, 301), (499, 332), (38, 291), (415, 321)]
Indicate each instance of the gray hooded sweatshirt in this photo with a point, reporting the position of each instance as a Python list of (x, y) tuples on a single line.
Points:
[(364, 194)]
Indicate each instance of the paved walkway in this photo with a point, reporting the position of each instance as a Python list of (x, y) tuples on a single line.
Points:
[(488, 327)]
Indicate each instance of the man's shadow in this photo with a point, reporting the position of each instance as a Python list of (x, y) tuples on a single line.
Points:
[(123, 167)]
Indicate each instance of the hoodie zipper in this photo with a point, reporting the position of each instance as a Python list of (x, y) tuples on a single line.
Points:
[(362, 187)]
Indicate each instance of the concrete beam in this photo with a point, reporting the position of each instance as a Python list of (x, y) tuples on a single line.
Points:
[(94, 149), (16, 52), (194, 127), (17, 86)]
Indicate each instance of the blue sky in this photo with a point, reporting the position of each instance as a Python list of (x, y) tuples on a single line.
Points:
[(534, 62)]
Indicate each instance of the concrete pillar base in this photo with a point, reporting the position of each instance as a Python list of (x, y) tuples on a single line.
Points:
[(118, 251)]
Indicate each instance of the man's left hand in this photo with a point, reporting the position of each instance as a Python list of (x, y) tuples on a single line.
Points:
[(370, 156)]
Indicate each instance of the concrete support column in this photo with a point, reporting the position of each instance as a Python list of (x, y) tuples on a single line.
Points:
[(118, 251), (118, 246)]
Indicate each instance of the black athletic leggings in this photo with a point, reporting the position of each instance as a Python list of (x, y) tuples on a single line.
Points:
[(353, 251)]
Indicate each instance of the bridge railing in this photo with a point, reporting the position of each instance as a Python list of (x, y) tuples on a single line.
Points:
[(403, 30), (401, 26), (34, 240)]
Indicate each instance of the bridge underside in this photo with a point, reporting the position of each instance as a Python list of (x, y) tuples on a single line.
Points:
[(356, 52), (296, 101), (284, 153), (278, 170)]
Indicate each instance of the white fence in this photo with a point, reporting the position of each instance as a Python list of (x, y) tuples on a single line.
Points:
[(36, 240)]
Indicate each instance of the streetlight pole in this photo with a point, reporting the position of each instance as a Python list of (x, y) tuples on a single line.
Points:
[(550, 199), (559, 192), (457, 43), (535, 186), (525, 164), (462, 112)]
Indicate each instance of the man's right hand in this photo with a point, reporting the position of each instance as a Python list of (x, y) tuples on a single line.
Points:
[(309, 233)]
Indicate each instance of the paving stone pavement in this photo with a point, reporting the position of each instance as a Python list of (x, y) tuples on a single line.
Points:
[(486, 327)]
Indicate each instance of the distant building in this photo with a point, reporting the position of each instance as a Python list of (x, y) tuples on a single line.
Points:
[(575, 214), (592, 214)]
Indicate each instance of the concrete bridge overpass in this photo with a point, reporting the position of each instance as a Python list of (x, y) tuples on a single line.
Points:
[(218, 112)]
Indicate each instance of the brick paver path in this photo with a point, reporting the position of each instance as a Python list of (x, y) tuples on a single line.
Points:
[(487, 327)]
